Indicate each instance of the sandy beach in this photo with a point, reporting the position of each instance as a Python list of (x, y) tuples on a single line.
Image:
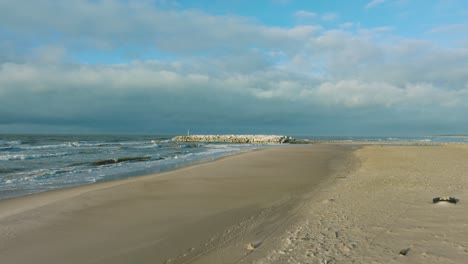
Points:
[(320, 203), (205, 213), (382, 207)]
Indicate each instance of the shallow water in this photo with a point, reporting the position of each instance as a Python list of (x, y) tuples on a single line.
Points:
[(36, 163)]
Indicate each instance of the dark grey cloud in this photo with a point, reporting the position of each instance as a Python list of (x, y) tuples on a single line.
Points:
[(226, 74), (157, 96)]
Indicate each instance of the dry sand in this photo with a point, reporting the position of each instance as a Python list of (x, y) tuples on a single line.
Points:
[(383, 207), (206, 213), (299, 204)]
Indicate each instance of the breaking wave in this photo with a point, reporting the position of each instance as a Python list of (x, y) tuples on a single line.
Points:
[(7, 157)]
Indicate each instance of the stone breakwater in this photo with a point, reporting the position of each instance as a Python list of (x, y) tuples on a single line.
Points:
[(259, 139)]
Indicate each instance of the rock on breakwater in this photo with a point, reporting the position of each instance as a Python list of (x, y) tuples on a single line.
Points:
[(259, 139)]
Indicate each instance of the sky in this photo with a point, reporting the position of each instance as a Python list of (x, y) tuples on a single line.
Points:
[(296, 67)]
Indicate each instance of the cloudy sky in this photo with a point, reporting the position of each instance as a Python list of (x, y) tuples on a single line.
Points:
[(310, 67)]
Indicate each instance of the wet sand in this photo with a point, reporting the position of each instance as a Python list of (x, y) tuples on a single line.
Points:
[(205, 213)]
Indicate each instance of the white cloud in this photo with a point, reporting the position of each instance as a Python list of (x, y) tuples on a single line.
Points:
[(282, 2), (451, 29), (347, 25), (226, 70), (376, 30), (167, 3), (358, 94), (110, 24), (374, 3), (353, 93), (329, 16), (49, 54), (354, 80), (304, 13)]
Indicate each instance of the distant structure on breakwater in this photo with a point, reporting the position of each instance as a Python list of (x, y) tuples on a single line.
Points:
[(252, 139)]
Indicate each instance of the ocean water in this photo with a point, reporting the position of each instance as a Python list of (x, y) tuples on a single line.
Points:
[(37, 163), (434, 139)]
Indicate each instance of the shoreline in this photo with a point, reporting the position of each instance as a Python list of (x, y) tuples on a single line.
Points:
[(162, 169), (320, 203), (50, 196), (197, 213)]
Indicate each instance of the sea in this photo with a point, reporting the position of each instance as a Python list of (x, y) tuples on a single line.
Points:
[(37, 163)]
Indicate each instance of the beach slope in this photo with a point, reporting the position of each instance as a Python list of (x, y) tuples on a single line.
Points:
[(383, 211), (207, 213)]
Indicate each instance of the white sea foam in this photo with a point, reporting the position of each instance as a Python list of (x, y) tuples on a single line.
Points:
[(7, 145), (30, 156), (425, 140), (55, 172), (12, 142), (147, 145), (55, 146)]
